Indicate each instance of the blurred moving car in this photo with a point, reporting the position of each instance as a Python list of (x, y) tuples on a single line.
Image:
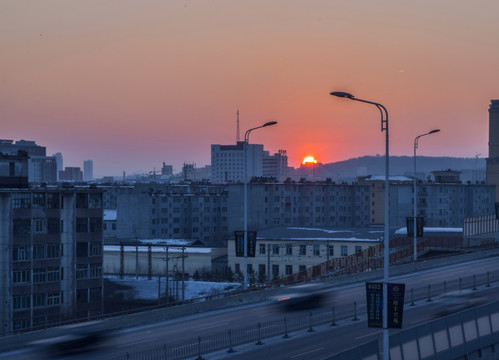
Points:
[(305, 296), (457, 301), (77, 338)]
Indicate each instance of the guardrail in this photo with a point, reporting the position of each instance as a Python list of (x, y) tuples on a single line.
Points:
[(197, 346), (473, 333)]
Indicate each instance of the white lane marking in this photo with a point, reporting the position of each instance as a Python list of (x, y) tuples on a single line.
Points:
[(211, 327), (371, 334), (306, 353)]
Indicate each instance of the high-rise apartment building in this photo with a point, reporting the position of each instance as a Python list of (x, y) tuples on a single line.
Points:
[(51, 250), (88, 170), (275, 166), (41, 168), (71, 174), (493, 159), (227, 162)]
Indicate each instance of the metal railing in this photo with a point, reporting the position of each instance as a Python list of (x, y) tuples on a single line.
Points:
[(199, 345), (471, 332)]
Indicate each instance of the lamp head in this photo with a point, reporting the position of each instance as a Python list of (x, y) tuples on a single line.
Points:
[(270, 123), (342, 94), (434, 131)]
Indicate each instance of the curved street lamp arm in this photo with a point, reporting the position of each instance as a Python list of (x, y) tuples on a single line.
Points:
[(428, 133), (247, 133)]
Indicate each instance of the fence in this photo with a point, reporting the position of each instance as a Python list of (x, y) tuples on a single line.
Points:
[(197, 346), (401, 249), (471, 332), (480, 225)]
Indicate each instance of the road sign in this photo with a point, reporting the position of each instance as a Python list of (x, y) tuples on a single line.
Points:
[(374, 300)]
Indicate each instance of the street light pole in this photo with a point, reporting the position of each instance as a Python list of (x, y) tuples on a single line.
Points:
[(245, 200), (416, 139), (386, 240)]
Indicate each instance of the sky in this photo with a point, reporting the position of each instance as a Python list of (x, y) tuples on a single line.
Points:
[(133, 84)]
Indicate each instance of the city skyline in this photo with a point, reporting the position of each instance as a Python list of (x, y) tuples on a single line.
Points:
[(132, 85)]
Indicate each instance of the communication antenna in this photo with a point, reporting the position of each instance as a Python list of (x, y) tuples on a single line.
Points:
[(238, 138)]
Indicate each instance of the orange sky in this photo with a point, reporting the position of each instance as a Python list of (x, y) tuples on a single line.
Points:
[(132, 84)]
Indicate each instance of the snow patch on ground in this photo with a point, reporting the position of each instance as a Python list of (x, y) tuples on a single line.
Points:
[(145, 289)]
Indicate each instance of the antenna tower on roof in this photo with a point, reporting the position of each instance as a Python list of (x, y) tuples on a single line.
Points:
[(238, 138)]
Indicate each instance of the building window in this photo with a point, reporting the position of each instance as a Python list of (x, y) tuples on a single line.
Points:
[(275, 249), (53, 298), (39, 299), (81, 201), (81, 225), (95, 201), (39, 275), (275, 270), (95, 248), (38, 225), (358, 249), (53, 226), (303, 249), (262, 249), (21, 227), (53, 251), (289, 269), (317, 250), (21, 324), (95, 294), (38, 252), (331, 250), (21, 302), (21, 253), (21, 276), (81, 249), (21, 201), (261, 271), (82, 271), (344, 250), (95, 270), (302, 268), (38, 201), (96, 225), (53, 201), (289, 249), (237, 268), (53, 273)]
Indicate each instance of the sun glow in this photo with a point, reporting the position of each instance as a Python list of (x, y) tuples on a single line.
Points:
[(309, 160)]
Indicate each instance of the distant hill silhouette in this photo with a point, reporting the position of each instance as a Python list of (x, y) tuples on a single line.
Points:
[(399, 165)]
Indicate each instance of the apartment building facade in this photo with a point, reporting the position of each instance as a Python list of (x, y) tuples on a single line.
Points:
[(299, 204), (51, 258), (164, 211)]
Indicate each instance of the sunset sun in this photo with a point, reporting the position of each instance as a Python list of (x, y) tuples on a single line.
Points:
[(309, 160)]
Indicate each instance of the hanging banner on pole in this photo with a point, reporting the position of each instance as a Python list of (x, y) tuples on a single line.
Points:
[(239, 240), (374, 301)]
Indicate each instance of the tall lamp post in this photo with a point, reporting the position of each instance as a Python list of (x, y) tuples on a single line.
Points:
[(386, 257), (416, 139), (245, 242)]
